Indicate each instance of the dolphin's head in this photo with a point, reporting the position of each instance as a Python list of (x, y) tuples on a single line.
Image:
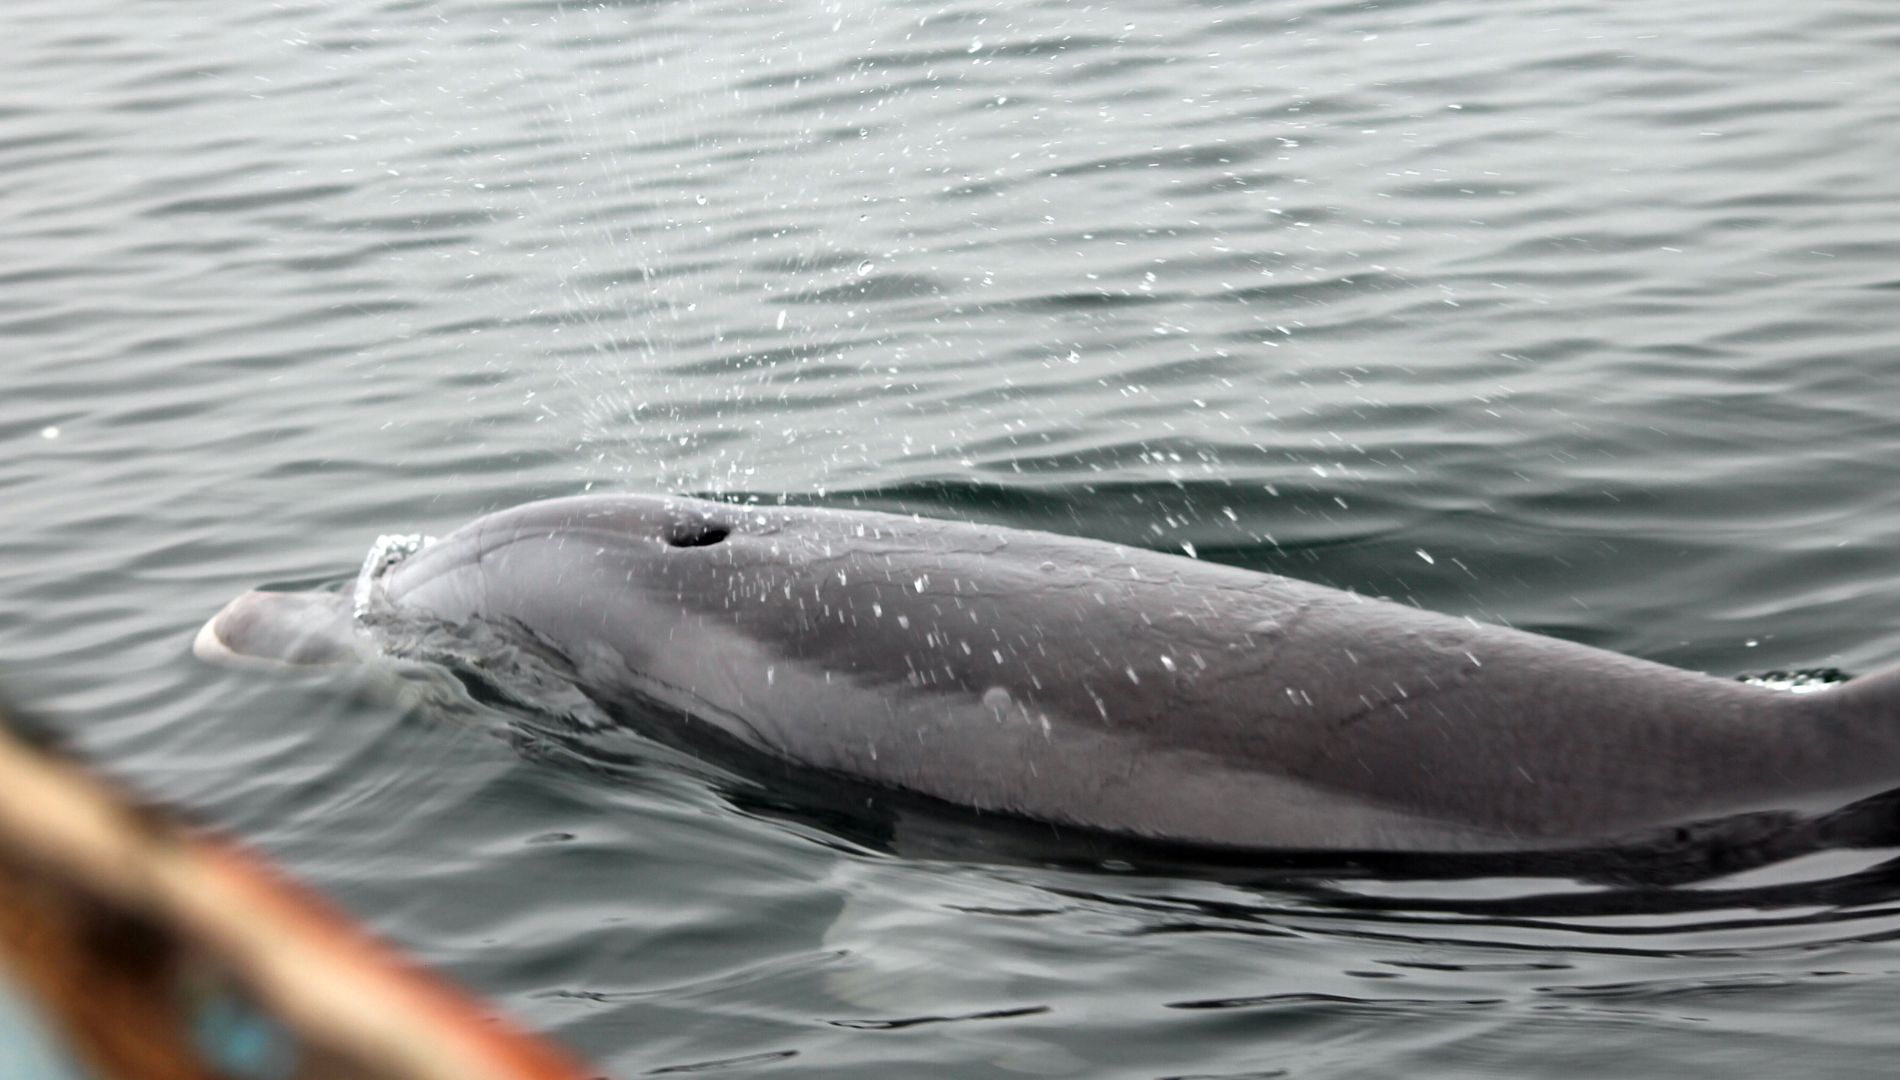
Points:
[(544, 565), (685, 591), (279, 630), (621, 569)]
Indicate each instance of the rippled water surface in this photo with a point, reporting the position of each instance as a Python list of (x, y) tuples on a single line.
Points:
[(1580, 316)]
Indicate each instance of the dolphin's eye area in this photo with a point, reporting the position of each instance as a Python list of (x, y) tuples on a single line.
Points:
[(685, 534)]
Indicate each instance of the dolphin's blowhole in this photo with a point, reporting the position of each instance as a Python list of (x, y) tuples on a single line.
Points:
[(686, 534)]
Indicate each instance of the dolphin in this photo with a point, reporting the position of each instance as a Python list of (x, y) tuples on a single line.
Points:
[(1081, 684)]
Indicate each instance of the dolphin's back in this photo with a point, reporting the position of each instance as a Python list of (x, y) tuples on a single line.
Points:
[(1078, 682)]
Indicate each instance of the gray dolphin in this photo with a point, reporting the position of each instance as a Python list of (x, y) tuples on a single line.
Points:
[(1081, 683)]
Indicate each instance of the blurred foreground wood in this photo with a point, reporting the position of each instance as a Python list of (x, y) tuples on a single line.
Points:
[(158, 951)]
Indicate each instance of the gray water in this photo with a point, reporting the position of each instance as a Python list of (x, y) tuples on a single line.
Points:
[(1577, 316)]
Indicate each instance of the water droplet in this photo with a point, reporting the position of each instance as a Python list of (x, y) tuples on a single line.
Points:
[(50, 431), (1426, 555)]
